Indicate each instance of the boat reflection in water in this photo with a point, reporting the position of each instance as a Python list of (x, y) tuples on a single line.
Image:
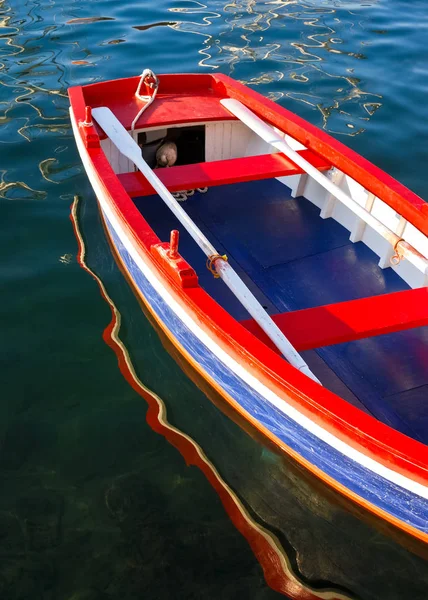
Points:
[(310, 541)]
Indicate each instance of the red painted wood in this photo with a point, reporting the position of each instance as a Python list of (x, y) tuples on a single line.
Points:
[(219, 172), (186, 109), (348, 321), (88, 133), (183, 99), (77, 97), (174, 265), (117, 91)]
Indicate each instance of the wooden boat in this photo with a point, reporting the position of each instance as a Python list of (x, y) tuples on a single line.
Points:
[(317, 334)]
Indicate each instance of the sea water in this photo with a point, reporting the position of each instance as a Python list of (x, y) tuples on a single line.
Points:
[(100, 499)]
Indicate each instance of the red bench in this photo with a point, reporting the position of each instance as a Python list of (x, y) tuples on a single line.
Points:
[(220, 172), (348, 321)]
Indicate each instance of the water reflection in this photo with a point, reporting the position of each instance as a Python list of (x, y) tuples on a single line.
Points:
[(150, 25), (18, 190), (239, 498), (293, 42), (88, 20)]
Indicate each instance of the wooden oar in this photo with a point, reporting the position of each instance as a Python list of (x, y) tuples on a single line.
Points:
[(269, 135), (129, 148)]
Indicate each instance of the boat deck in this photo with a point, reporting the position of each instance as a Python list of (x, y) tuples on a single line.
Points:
[(291, 259)]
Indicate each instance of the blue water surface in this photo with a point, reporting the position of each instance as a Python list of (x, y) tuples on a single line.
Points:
[(95, 504)]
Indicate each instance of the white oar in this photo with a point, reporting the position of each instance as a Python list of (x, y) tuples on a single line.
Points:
[(269, 135), (129, 148)]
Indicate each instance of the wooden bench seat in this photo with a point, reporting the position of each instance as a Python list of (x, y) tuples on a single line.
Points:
[(220, 172), (347, 321)]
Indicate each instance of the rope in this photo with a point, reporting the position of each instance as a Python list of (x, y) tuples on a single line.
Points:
[(183, 195), (152, 83), (211, 264)]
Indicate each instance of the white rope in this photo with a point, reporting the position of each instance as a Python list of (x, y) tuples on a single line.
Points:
[(147, 73), (184, 194)]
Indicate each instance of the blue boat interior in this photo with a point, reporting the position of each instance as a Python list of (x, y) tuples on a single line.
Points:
[(292, 259)]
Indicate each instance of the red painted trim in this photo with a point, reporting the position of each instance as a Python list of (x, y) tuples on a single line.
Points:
[(174, 265), (220, 172), (348, 423), (88, 133), (347, 321)]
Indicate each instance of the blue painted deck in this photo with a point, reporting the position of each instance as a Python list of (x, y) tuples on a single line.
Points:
[(291, 259)]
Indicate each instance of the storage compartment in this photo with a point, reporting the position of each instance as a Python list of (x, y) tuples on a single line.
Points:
[(190, 142)]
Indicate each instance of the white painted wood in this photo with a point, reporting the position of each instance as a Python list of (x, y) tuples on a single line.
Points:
[(413, 277), (114, 153), (123, 164), (118, 162), (383, 212), (210, 142), (105, 147), (232, 139), (268, 134), (336, 177), (315, 193), (256, 146), (385, 259), (360, 225), (227, 140), (299, 187), (240, 137), (416, 238), (296, 183), (125, 144), (344, 215), (155, 134), (217, 141)]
